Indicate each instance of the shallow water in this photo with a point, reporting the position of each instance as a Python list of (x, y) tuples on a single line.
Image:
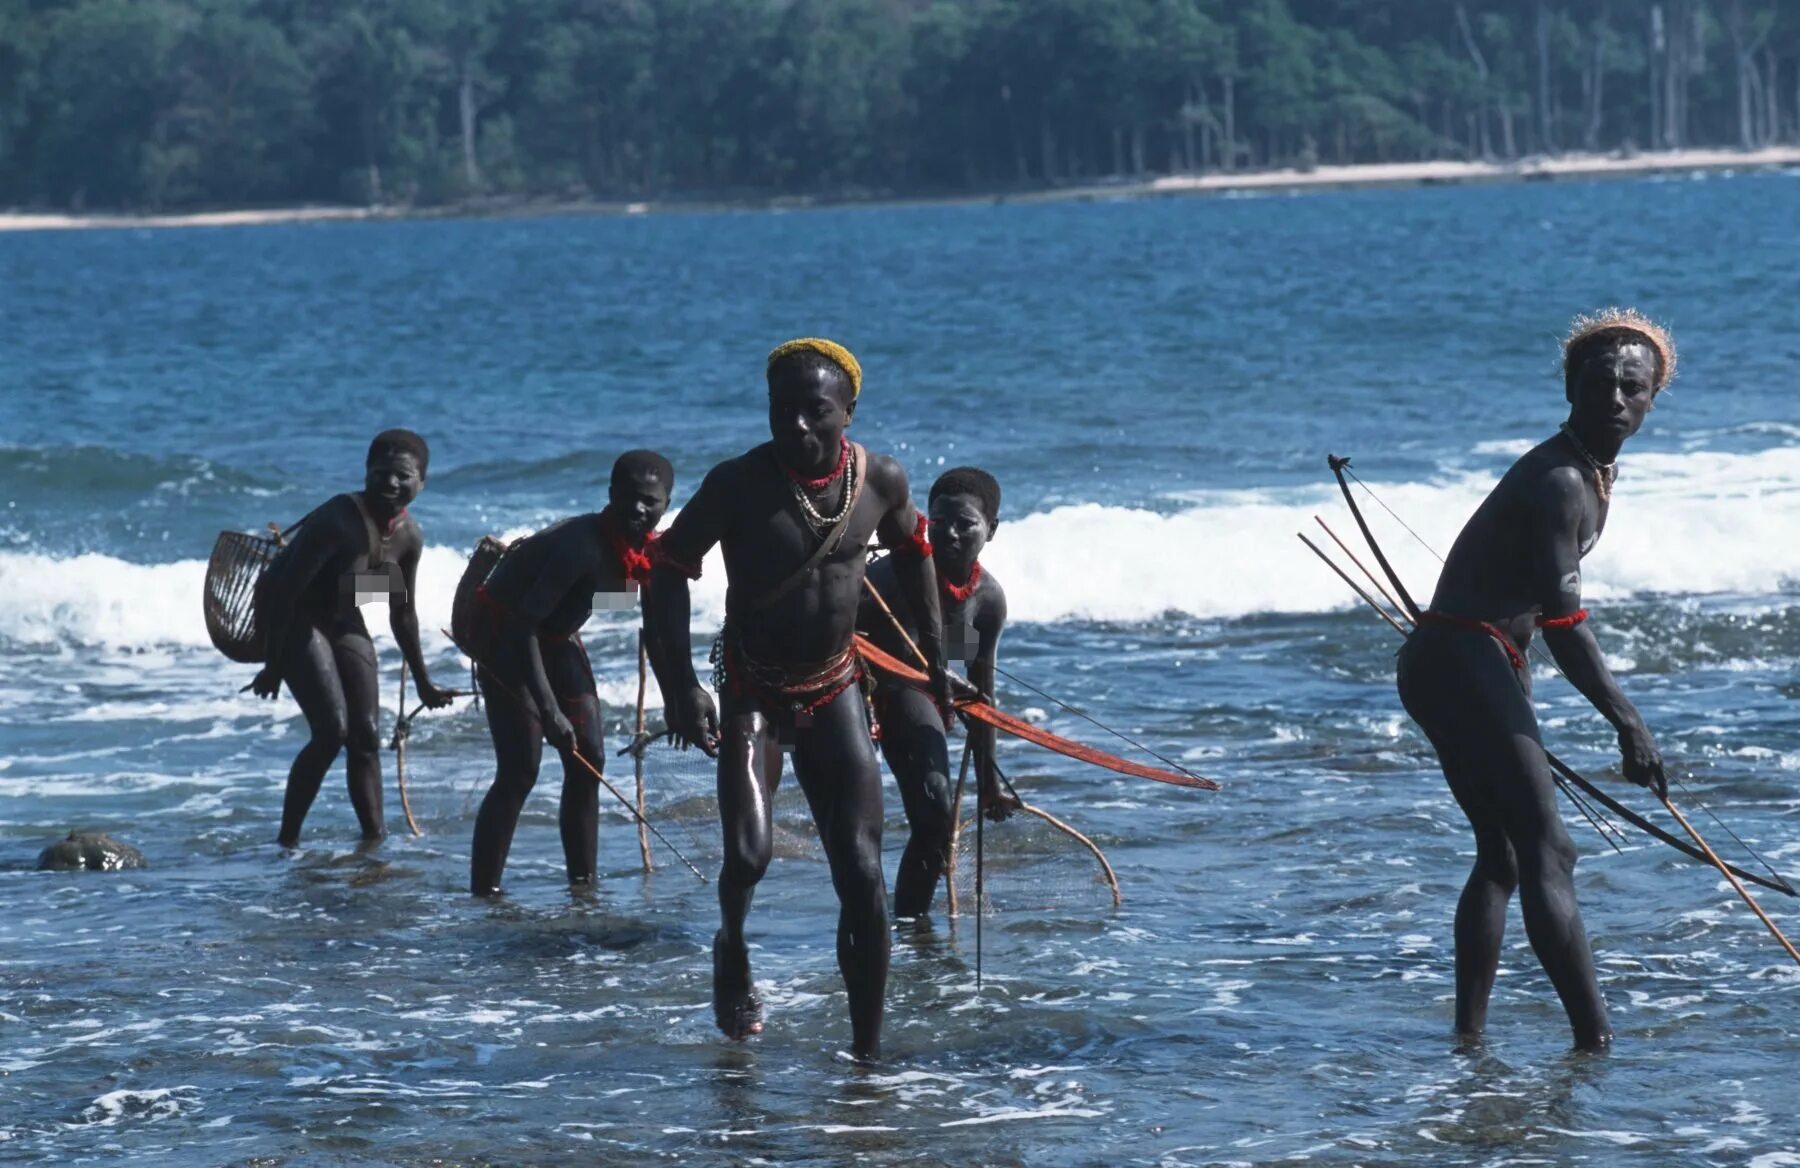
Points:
[(1156, 385)]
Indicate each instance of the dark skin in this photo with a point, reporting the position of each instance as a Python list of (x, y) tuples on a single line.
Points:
[(746, 505), (912, 730), (320, 647), (540, 687), (1519, 558)]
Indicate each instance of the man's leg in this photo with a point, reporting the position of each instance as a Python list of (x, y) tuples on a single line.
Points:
[(1472, 705), (518, 749), (749, 770), (310, 672), (912, 739), (578, 812), (355, 657), (1481, 911), (835, 763), (1546, 860)]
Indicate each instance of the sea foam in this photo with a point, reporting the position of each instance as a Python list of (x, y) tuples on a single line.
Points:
[(1693, 523)]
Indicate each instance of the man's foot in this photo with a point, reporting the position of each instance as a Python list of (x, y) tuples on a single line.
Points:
[(736, 1008), (1594, 1043), (909, 905), (914, 926)]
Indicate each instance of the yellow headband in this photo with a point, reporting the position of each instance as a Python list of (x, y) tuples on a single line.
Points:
[(831, 351), (1625, 320)]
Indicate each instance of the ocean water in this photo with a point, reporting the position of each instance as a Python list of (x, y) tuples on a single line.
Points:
[(1156, 384)]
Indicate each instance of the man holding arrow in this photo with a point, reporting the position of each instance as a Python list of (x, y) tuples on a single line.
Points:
[(1463, 676)]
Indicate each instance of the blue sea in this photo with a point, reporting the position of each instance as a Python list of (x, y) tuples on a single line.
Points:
[(1156, 384)]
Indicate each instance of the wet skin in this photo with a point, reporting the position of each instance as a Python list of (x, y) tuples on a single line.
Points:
[(1519, 558), (319, 645), (912, 731), (745, 504), (540, 687)]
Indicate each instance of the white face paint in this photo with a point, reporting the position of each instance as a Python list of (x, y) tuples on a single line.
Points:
[(1570, 584), (1587, 545)]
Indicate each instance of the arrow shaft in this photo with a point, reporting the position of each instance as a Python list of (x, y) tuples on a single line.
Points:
[(1725, 871)]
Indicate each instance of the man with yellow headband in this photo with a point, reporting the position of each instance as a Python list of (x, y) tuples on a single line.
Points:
[(795, 517)]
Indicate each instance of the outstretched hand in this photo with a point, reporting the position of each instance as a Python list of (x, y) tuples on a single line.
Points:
[(1642, 761), (998, 803), (695, 722), (940, 692), (267, 683), (434, 697), (559, 732)]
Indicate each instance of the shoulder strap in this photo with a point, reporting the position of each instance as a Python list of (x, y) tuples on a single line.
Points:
[(377, 545), (280, 534), (858, 464)]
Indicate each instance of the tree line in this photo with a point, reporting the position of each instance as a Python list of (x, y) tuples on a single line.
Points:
[(182, 103)]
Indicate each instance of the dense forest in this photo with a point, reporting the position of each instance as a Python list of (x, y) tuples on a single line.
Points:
[(182, 103)]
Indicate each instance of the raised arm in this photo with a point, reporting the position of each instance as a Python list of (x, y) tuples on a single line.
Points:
[(902, 528), (668, 610), (1556, 585)]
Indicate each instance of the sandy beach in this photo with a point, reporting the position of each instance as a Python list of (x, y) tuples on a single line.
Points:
[(54, 221), (1323, 178), (1546, 168)]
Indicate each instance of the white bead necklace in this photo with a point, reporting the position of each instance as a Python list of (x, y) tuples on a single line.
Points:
[(1604, 472), (824, 523)]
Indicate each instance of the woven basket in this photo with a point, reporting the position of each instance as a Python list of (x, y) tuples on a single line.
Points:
[(465, 620), (237, 563)]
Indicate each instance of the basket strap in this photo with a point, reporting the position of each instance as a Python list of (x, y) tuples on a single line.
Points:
[(377, 545), (280, 534)]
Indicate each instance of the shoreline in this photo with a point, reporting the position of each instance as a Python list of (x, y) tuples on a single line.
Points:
[(1321, 179)]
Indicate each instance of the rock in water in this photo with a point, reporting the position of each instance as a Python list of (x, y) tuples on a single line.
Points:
[(90, 850)]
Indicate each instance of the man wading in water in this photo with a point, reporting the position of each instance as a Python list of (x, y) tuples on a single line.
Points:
[(534, 671), (965, 510), (1463, 676), (795, 517), (352, 550)]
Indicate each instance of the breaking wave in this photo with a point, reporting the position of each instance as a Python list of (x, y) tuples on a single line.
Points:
[(1690, 523)]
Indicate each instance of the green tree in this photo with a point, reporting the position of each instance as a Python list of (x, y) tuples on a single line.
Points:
[(376, 85), (21, 47), (110, 85), (1282, 89), (243, 107), (141, 103), (603, 65)]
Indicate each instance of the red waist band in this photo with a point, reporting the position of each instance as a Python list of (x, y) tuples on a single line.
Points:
[(1470, 624)]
